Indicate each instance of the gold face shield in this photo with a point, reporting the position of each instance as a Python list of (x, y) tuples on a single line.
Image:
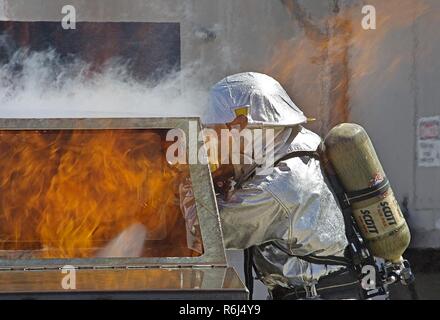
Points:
[(213, 156)]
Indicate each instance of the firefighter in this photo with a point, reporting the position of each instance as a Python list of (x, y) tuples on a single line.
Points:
[(288, 221)]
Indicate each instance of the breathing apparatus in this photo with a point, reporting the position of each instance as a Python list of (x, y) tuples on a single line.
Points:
[(366, 197)]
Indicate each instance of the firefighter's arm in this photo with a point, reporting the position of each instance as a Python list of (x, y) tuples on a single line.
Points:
[(252, 216)]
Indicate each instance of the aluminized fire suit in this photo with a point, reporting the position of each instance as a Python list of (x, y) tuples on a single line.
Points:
[(294, 207), (289, 213)]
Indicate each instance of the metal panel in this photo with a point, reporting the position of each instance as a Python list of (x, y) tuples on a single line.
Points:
[(203, 283), (214, 254), (97, 10), (427, 96), (149, 50)]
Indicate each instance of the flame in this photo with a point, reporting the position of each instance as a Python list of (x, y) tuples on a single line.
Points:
[(70, 193), (327, 55)]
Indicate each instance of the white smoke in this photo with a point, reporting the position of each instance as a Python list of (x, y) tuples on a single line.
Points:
[(42, 85)]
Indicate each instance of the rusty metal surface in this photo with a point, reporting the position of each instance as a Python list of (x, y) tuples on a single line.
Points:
[(117, 283), (214, 254)]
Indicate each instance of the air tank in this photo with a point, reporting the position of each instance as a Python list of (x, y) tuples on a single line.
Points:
[(374, 206)]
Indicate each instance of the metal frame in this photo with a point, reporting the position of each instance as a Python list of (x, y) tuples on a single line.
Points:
[(183, 283), (214, 253)]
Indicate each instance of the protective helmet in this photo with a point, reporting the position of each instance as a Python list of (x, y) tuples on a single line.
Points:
[(258, 96)]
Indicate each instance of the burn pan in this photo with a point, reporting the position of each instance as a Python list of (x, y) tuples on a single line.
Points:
[(57, 175)]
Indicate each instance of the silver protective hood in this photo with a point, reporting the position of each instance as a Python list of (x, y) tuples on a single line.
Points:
[(257, 95)]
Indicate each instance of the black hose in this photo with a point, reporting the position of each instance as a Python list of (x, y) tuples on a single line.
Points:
[(248, 276)]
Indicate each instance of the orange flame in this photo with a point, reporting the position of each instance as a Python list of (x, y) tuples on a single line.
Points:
[(69, 193)]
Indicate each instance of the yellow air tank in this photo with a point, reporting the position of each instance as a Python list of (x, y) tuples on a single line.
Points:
[(374, 207)]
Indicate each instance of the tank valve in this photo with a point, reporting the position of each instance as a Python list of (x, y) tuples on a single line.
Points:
[(393, 272)]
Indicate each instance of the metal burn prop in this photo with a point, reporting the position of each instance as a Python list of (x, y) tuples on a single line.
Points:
[(99, 195)]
